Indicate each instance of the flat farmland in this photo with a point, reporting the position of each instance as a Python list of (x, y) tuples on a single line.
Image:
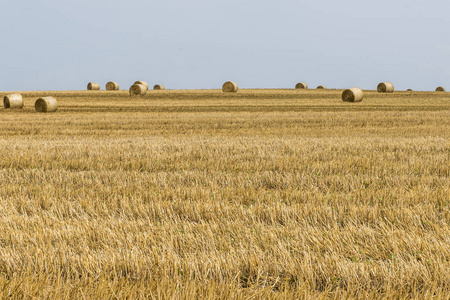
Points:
[(199, 194)]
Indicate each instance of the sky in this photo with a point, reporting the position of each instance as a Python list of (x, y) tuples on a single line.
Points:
[(199, 44)]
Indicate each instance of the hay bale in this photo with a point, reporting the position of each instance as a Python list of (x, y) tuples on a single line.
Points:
[(92, 86), (440, 89), (138, 90), (229, 87), (385, 87), (159, 87), (301, 85), (321, 87), (352, 95), (409, 90), (46, 104), (112, 86), (142, 82), (13, 101)]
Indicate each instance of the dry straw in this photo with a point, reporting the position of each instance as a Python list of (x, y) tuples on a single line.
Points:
[(46, 104), (112, 86), (230, 87), (92, 86), (301, 85), (138, 90), (13, 101), (352, 95), (385, 87), (321, 87), (440, 89), (142, 82), (159, 87)]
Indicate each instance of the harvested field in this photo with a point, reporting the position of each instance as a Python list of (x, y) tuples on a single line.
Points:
[(261, 194)]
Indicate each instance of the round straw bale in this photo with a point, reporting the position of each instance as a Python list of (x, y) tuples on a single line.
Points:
[(385, 87), (321, 87), (13, 101), (142, 82), (138, 90), (440, 89), (112, 86), (159, 87), (92, 86), (352, 95), (46, 104), (301, 85), (230, 87)]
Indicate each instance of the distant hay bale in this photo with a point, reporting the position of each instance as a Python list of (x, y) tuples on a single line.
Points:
[(159, 87), (385, 87), (230, 87), (352, 95), (301, 85), (92, 86), (321, 87), (142, 82), (13, 101), (440, 89), (112, 86), (138, 90), (409, 90), (46, 104)]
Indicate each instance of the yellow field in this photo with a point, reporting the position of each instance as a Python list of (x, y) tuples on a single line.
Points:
[(262, 194)]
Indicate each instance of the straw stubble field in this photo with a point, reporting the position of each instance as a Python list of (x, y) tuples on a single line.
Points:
[(262, 194)]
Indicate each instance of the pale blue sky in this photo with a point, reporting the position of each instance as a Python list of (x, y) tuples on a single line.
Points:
[(62, 45)]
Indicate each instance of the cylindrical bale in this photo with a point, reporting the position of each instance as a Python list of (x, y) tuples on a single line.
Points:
[(159, 87), (138, 90), (142, 82), (321, 87), (385, 87), (92, 86), (112, 86), (46, 104), (230, 87), (301, 85), (352, 95), (440, 89), (13, 101)]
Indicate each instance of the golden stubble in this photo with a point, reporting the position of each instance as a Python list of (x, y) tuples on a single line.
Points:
[(262, 194)]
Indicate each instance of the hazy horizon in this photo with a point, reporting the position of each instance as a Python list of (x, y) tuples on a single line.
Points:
[(62, 45)]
